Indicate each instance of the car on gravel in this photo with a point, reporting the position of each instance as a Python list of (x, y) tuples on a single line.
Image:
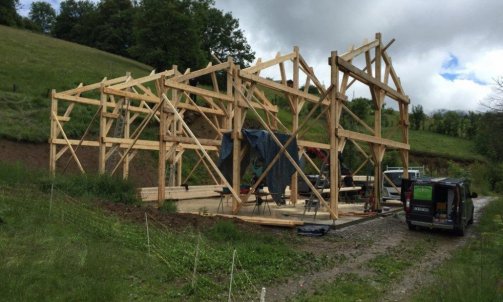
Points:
[(441, 203)]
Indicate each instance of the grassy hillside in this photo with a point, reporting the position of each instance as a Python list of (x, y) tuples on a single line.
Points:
[(33, 64)]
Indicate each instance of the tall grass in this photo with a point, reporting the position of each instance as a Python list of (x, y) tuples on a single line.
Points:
[(475, 273), (102, 187)]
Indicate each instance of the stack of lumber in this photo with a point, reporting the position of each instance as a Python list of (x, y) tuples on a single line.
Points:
[(192, 192)]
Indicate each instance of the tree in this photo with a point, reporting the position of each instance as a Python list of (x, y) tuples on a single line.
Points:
[(8, 13), (495, 100), (42, 15), (488, 140), (221, 35), (166, 34), (76, 21), (417, 117), (114, 26)]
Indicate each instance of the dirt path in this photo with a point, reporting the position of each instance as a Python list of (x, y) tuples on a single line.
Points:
[(357, 245)]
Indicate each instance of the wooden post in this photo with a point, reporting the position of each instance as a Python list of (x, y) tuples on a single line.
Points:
[(295, 122), (53, 135), (333, 124), (103, 132), (162, 146), (127, 116), (236, 145)]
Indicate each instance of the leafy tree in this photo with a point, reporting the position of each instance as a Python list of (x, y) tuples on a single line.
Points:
[(165, 34), (221, 35), (76, 21), (452, 123), (114, 29), (417, 117), (42, 15), (8, 13), (361, 107), (488, 139)]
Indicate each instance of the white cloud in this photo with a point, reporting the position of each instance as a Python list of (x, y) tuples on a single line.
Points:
[(426, 33)]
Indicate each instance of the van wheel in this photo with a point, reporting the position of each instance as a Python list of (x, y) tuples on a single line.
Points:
[(471, 219), (461, 230), (411, 226)]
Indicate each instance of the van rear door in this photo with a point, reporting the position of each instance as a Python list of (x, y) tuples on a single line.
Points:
[(422, 207)]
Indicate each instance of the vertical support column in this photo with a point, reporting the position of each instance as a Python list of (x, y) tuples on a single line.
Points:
[(103, 131), (333, 124), (404, 116), (295, 122), (229, 105), (127, 116), (53, 134), (162, 146), (236, 145), (174, 129), (127, 124), (378, 150)]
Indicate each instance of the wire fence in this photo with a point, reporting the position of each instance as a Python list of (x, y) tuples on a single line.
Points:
[(203, 271)]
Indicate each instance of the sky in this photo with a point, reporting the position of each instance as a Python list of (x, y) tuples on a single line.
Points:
[(447, 53)]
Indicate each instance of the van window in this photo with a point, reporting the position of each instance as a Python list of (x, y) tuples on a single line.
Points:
[(422, 192)]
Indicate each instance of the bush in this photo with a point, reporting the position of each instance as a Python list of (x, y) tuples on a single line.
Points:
[(225, 230), (104, 187), (169, 206)]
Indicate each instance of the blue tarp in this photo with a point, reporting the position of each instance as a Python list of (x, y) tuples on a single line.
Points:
[(263, 146)]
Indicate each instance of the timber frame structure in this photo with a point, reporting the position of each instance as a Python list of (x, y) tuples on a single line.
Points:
[(128, 105)]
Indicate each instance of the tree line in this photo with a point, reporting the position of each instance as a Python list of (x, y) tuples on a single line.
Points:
[(159, 33)]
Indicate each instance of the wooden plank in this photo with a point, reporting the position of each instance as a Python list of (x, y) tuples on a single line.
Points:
[(371, 139), (138, 81), (189, 140), (197, 90), (201, 72), (63, 118), (358, 51), (131, 95), (200, 109), (366, 79), (311, 144), (280, 87), (90, 87), (267, 64)]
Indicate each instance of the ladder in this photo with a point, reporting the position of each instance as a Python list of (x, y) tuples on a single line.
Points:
[(321, 183), (118, 132)]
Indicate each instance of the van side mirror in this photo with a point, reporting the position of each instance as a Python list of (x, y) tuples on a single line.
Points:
[(474, 195)]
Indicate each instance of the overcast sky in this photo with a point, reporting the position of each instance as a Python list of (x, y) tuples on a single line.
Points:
[(447, 52)]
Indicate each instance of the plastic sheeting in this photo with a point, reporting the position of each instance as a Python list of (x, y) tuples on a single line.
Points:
[(261, 144)]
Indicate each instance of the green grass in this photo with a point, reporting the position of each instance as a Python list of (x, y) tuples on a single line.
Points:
[(438, 144), (475, 273), (33, 64), (37, 63), (68, 249)]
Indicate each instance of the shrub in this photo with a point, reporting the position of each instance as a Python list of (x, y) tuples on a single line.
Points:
[(225, 230)]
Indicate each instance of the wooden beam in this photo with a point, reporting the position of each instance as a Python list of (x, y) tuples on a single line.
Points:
[(281, 87), (82, 89), (372, 139), (196, 90), (267, 64), (138, 81), (366, 79), (358, 51), (201, 72), (188, 140)]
